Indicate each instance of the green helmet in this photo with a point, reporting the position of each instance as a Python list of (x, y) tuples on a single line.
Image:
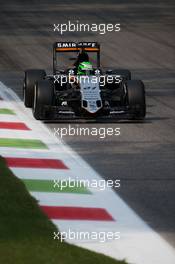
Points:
[(85, 68)]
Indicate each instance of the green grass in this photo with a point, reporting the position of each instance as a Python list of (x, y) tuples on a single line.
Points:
[(26, 235)]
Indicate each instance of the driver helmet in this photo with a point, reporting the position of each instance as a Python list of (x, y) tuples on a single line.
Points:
[(82, 56), (85, 68)]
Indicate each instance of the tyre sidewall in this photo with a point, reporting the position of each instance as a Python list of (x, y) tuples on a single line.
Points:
[(43, 95), (136, 98), (31, 76)]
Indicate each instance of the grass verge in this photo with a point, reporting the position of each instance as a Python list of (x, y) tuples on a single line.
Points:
[(26, 234)]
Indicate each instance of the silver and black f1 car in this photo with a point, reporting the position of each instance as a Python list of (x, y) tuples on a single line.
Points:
[(80, 88)]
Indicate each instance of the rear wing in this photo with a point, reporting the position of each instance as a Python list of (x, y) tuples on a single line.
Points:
[(75, 47)]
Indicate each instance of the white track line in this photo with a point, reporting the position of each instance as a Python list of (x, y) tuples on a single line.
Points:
[(139, 244), (12, 133), (44, 174)]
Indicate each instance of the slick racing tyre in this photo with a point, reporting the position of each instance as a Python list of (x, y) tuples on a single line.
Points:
[(43, 95), (31, 76), (136, 98)]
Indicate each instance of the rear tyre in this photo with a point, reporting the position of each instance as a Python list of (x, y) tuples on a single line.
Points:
[(31, 77), (136, 98), (43, 95)]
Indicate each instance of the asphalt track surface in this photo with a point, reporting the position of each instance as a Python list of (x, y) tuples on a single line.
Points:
[(143, 156)]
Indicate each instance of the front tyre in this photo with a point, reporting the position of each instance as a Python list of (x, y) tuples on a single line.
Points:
[(43, 96), (31, 77), (136, 98)]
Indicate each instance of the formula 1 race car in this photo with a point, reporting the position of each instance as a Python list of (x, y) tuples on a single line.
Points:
[(80, 88)]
